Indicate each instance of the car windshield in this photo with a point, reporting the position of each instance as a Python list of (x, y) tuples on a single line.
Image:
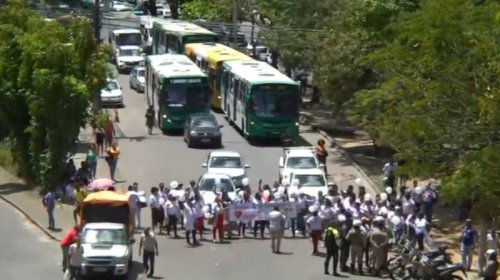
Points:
[(132, 52), (112, 86), (270, 103), (210, 185), (190, 95), (204, 122), (311, 180), (301, 162), (104, 236), (141, 73), (225, 162), (128, 39)]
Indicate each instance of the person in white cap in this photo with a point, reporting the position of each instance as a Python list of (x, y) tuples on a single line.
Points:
[(357, 241)]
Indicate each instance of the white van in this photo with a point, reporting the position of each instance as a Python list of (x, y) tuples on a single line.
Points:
[(125, 37)]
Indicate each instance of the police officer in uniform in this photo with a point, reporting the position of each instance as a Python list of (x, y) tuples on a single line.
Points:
[(331, 237), (357, 241)]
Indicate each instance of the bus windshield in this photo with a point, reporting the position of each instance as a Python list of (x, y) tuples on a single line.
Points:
[(128, 39), (275, 104), (189, 95)]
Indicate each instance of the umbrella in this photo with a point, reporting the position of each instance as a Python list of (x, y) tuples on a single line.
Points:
[(102, 183)]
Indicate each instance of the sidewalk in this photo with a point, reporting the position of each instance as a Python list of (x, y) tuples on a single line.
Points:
[(28, 200)]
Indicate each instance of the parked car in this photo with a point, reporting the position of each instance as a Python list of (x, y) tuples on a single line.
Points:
[(210, 184), (227, 162), (202, 129), (111, 94), (137, 79)]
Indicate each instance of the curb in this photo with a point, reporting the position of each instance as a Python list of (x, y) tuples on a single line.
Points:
[(347, 155), (28, 217)]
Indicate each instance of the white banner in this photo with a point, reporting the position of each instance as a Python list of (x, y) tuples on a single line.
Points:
[(248, 212)]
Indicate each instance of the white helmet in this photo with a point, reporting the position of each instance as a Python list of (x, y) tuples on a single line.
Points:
[(245, 181)]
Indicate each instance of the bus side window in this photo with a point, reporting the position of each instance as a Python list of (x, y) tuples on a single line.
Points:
[(237, 85), (243, 89)]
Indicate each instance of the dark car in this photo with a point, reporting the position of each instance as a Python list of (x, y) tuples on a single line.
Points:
[(202, 129)]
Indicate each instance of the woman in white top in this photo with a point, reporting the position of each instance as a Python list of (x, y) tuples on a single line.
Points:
[(189, 221), (421, 230), (492, 241)]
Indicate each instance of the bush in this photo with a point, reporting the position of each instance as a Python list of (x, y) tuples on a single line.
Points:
[(7, 161)]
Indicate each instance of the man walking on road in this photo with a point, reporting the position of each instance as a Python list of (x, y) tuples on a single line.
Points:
[(49, 202), (149, 249), (331, 238), (276, 228), (66, 242), (467, 242)]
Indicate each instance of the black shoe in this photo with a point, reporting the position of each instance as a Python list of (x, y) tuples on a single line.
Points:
[(336, 274), (327, 272)]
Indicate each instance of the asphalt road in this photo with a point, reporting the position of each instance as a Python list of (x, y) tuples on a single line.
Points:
[(26, 253), (149, 160)]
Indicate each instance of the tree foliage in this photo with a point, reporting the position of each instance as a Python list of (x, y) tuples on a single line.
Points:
[(49, 73), (211, 10)]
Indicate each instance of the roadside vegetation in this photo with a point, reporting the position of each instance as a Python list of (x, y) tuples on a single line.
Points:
[(50, 72)]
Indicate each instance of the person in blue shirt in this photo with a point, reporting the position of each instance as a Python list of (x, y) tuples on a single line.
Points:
[(49, 202), (467, 242)]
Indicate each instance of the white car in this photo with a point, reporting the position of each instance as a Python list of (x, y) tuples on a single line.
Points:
[(137, 79), (297, 158), (121, 7), (127, 57), (227, 162), (111, 94), (212, 183), (311, 181)]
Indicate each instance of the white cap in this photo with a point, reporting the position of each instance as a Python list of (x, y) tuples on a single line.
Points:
[(367, 197), (266, 193), (388, 190), (395, 220), (245, 181), (379, 219), (313, 208), (383, 196), (341, 218), (418, 190)]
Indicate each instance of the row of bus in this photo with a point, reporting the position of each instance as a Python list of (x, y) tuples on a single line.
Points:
[(189, 72)]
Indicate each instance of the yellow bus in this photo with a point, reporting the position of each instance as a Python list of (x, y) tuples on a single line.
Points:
[(209, 58)]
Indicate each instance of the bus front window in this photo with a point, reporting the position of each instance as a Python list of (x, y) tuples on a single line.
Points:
[(190, 95), (272, 104)]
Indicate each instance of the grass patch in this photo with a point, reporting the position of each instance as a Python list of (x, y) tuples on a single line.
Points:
[(6, 158)]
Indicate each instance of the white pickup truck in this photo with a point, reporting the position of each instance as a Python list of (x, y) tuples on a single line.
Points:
[(296, 159), (107, 235)]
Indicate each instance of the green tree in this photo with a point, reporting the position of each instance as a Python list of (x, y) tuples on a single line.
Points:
[(437, 104), (49, 74), (211, 10)]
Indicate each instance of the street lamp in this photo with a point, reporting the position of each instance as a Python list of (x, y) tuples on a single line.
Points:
[(252, 40)]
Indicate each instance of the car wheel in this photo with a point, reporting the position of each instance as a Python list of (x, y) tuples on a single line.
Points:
[(130, 85), (189, 143)]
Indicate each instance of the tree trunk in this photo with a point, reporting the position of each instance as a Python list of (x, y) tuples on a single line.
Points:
[(483, 231)]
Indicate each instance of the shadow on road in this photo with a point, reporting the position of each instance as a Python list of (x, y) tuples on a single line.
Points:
[(10, 188)]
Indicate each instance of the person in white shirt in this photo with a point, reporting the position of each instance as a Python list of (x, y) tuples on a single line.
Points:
[(276, 228), (421, 230), (75, 259), (157, 214), (172, 211), (315, 226), (389, 168), (199, 204), (492, 241), (133, 198), (189, 215), (149, 249)]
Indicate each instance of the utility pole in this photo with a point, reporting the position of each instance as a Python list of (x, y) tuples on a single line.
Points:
[(97, 21), (235, 22)]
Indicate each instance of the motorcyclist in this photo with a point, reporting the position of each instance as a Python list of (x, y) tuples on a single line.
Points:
[(490, 271)]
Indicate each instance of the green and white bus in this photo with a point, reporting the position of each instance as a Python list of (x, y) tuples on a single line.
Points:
[(175, 87), (170, 35), (260, 100)]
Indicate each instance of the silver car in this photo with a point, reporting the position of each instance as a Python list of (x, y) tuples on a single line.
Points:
[(137, 78)]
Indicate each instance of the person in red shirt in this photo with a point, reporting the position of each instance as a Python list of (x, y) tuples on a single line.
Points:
[(66, 241)]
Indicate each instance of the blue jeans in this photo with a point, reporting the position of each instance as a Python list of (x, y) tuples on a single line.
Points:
[(93, 169), (467, 252), (52, 221), (112, 167), (397, 234), (428, 207)]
